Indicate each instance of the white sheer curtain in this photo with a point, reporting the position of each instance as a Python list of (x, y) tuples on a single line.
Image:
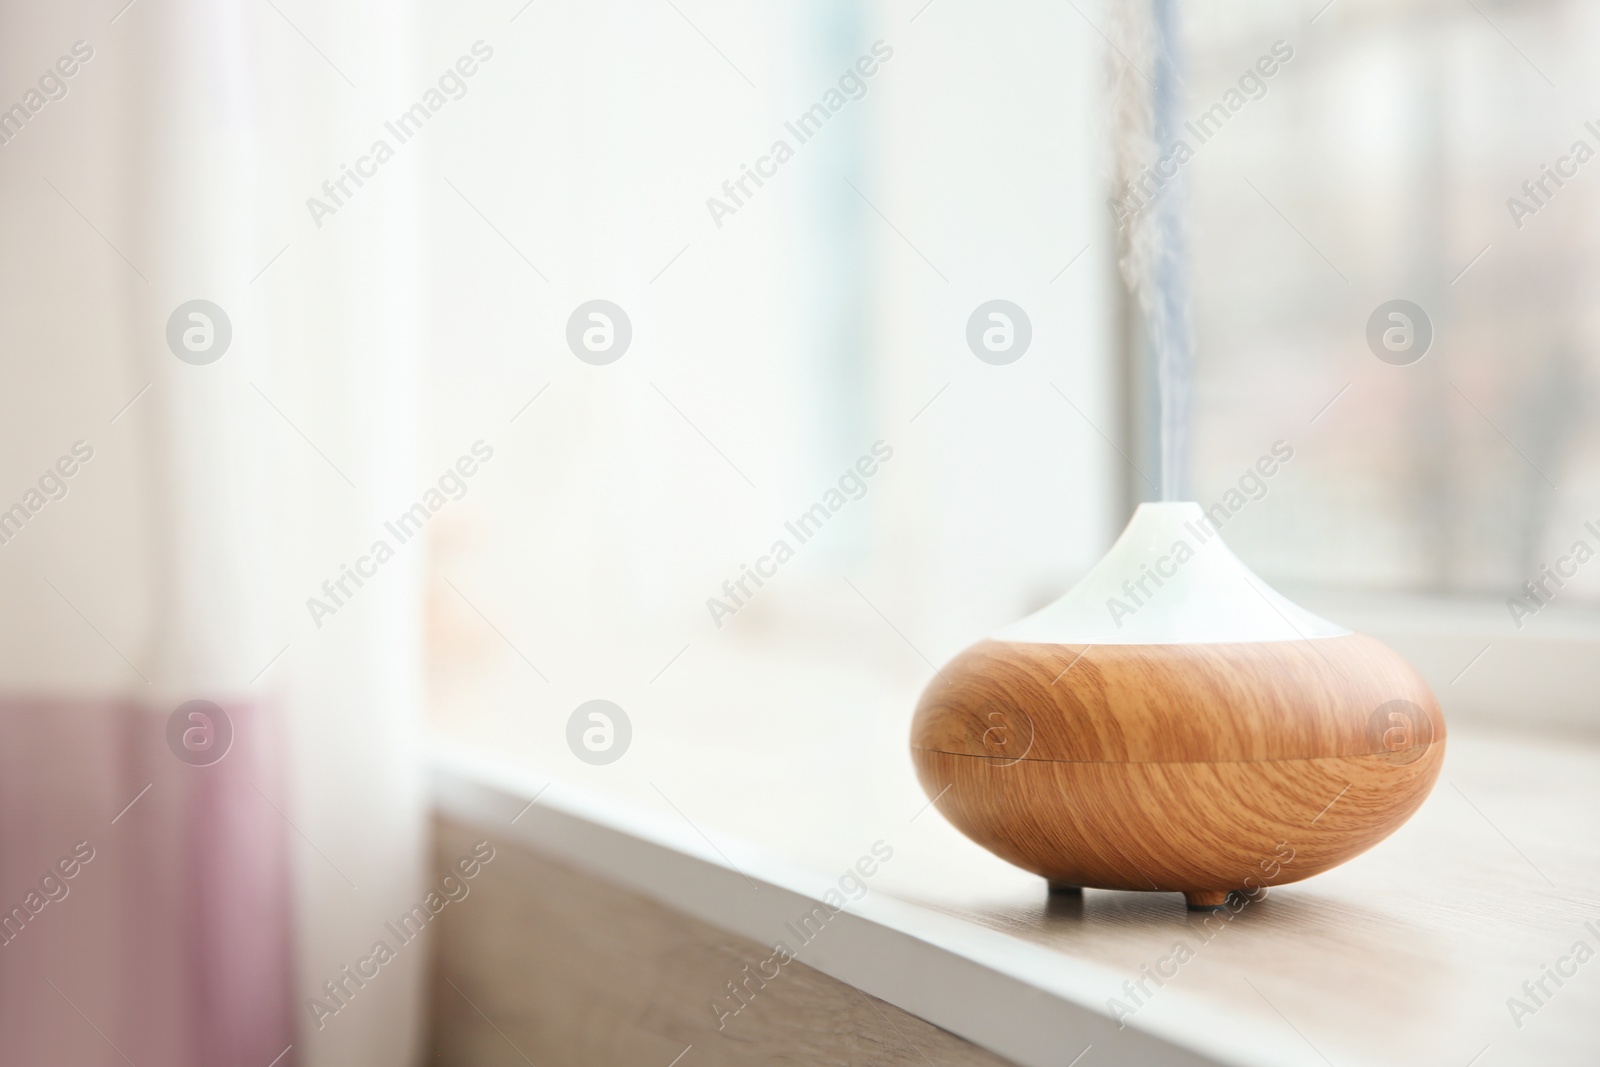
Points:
[(207, 501)]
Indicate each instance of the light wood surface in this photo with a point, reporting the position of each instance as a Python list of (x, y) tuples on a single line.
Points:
[(1405, 955), (1191, 768), (544, 964)]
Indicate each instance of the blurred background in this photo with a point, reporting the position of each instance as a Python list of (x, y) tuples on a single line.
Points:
[(400, 326)]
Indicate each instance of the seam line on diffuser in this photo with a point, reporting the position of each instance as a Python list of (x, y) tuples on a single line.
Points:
[(1007, 761)]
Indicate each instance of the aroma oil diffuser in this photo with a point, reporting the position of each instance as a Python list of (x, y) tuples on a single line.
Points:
[(1172, 724)]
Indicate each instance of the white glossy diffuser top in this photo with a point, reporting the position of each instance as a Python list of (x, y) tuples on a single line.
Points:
[(1169, 580)]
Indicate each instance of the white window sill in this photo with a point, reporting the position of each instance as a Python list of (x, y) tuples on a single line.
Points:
[(1406, 954)]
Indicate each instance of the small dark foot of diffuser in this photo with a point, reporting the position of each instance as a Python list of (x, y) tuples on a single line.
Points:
[(1062, 889), (1205, 899)]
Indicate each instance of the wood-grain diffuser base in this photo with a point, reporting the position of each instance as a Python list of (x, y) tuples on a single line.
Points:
[(1216, 738)]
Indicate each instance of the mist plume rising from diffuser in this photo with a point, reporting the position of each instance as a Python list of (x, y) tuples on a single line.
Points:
[(1152, 254), (1189, 744)]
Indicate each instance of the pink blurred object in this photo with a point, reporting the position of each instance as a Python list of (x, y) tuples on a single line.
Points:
[(172, 943)]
